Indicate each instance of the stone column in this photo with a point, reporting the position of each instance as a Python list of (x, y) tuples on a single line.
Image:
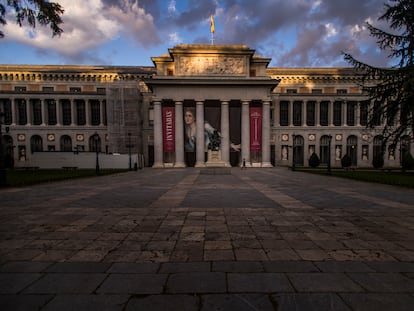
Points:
[(58, 112), (73, 112), (304, 114), (344, 116), (318, 113), (43, 112), (101, 113), (158, 150), (87, 112), (245, 133), (331, 113), (276, 112), (225, 133), (179, 135), (200, 144), (266, 135), (28, 111), (13, 111), (290, 113)]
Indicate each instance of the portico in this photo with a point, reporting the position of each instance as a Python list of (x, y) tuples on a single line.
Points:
[(227, 90)]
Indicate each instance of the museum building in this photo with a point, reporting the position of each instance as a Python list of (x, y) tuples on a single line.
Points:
[(168, 114)]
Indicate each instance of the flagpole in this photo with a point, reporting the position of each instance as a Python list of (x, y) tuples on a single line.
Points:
[(212, 38), (212, 30)]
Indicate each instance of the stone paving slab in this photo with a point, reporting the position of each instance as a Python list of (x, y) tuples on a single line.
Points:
[(257, 239)]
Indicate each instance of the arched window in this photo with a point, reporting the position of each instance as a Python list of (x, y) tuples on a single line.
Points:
[(95, 143), (324, 149), (36, 143), (352, 148), (65, 143)]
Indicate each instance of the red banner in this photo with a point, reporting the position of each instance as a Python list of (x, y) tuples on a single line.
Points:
[(168, 129), (256, 129)]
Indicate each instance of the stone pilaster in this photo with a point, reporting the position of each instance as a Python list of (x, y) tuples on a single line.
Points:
[(225, 133), (200, 145), (266, 135), (179, 135), (245, 133), (158, 150)]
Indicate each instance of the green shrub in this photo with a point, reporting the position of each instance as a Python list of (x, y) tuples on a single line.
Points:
[(378, 161), (314, 160), (407, 161), (346, 161)]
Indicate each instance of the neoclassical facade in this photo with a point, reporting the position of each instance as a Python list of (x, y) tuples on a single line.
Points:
[(169, 112)]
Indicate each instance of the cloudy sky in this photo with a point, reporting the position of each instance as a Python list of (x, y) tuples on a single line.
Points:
[(294, 33)]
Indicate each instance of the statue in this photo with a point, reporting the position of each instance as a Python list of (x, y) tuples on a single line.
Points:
[(215, 141)]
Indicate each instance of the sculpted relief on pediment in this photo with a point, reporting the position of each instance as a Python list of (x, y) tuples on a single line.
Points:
[(211, 65)]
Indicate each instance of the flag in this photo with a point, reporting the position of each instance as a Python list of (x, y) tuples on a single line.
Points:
[(212, 24)]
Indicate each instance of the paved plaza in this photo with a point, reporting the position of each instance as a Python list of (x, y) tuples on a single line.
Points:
[(177, 239)]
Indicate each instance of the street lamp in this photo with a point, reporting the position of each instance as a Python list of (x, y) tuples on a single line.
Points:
[(3, 176), (96, 141), (329, 154), (293, 153)]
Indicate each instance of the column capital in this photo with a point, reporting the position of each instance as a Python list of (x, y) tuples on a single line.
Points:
[(245, 101)]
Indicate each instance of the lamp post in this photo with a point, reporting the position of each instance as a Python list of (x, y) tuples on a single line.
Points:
[(293, 153), (96, 141), (3, 176), (329, 154)]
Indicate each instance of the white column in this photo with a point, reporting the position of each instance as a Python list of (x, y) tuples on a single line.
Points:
[(266, 135), (179, 135), (245, 133), (290, 113), (344, 114), (200, 144), (276, 112), (304, 115), (225, 133), (158, 151), (358, 114)]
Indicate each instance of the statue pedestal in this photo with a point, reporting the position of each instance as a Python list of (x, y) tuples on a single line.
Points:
[(214, 159)]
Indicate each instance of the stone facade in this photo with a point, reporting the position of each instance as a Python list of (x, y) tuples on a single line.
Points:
[(299, 110)]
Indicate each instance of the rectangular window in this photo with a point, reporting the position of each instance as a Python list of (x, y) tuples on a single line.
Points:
[(51, 112), (5, 106), (363, 115), (297, 113), (22, 111), (37, 111), (350, 113), (80, 112), (66, 112), (20, 89), (291, 91), (95, 112), (75, 89), (284, 113), (341, 91), (337, 113), (100, 90), (324, 114), (47, 89), (316, 91), (310, 113)]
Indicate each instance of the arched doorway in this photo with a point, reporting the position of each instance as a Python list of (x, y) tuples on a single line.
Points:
[(298, 149), (7, 142), (36, 144), (65, 143), (352, 149)]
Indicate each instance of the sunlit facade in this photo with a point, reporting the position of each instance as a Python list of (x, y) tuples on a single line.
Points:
[(266, 116)]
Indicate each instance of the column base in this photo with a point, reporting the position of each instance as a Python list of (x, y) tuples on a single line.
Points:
[(179, 165), (267, 164), (158, 165), (200, 164)]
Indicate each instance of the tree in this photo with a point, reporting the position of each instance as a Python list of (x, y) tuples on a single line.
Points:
[(391, 89), (30, 11)]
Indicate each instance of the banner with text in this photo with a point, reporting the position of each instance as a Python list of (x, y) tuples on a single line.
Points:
[(255, 129), (168, 128)]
